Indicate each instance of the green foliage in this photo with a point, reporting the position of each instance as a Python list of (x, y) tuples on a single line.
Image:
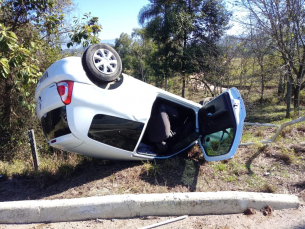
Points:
[(124, 48), (16, 59), (152, 168), (284, 38), (30, 33), (137, 53), (185, 32), (85, 32), (215, 145), (220, 166)]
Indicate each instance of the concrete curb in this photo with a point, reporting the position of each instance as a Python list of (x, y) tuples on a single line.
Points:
[(125, 206)]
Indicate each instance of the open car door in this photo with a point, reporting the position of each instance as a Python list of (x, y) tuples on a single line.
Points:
[(220, 125)]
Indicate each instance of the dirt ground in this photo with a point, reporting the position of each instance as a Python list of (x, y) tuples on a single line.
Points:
[(278, 168), (283, 219)]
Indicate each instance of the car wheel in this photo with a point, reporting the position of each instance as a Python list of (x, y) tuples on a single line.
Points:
[(102, 63)]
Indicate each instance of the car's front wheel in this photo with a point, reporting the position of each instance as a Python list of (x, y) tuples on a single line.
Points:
[(102, 63)]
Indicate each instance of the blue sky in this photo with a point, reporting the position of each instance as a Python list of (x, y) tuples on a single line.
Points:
[(115, 16)]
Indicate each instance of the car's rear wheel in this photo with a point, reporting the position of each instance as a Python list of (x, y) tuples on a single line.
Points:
[(102, 63)]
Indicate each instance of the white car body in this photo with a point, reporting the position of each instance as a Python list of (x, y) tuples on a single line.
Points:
[(132, 100)]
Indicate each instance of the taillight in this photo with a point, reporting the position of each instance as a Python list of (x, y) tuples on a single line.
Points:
[(64, 89)]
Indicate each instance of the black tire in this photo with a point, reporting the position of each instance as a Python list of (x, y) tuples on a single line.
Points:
[(101, 63)]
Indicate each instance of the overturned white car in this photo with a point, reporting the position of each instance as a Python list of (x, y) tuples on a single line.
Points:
[(88, 107)]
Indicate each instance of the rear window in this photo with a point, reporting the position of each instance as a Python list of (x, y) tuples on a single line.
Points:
[(114, 131), (55, 124)]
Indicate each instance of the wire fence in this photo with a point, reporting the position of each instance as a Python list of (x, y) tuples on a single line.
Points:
[(279, 130)]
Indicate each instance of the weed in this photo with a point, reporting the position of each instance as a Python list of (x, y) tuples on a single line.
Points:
[(287, 156), (51, 169), (215, 145), (135, 190), (152, 168), (221, 166), (286, 132), (285, 174), (230, 178), (259, 133), (246, 137), (112, 178), (277, 165), (65, 171), (255, 182), (189, 172), (269, 188), (298, 149), (301, 128), (237, 168)]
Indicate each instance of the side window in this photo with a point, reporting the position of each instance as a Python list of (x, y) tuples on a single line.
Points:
[(114, 131), (218, 143), (54, 123)]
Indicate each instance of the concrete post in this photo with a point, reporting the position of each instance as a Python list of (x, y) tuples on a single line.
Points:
[(34, 149)]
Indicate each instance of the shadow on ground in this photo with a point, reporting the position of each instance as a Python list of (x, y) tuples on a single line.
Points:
[(182, 170), (251, 159), (44, 184), (261, 116)]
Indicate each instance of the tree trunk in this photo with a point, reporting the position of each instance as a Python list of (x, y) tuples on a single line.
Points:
[(288, 99), (262, 86), (280, 89), (287, 78), (296, 101), (183, 86)]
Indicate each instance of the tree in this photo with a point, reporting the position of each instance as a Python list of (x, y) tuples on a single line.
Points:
[(85, 31), (143, 49), (158, 17), (136, 52), (29, 43), (179, 25), (283, 21), (123, 47)]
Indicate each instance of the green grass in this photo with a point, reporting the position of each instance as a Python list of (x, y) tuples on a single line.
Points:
[(151, 168), (52, 168), (283, 160), (189, 173), (220, 166)]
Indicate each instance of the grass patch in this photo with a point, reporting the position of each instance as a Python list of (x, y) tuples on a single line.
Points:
[(220, 166), (189, 173), (269, 188), (52, 168), (287, 156), (277, 168), (151, 168)]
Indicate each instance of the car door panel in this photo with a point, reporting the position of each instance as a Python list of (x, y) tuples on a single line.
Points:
[(220, 125)]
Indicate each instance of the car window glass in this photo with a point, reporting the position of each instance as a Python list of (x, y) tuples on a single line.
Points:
[(114, 131), (218, 143), (54, 123)]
